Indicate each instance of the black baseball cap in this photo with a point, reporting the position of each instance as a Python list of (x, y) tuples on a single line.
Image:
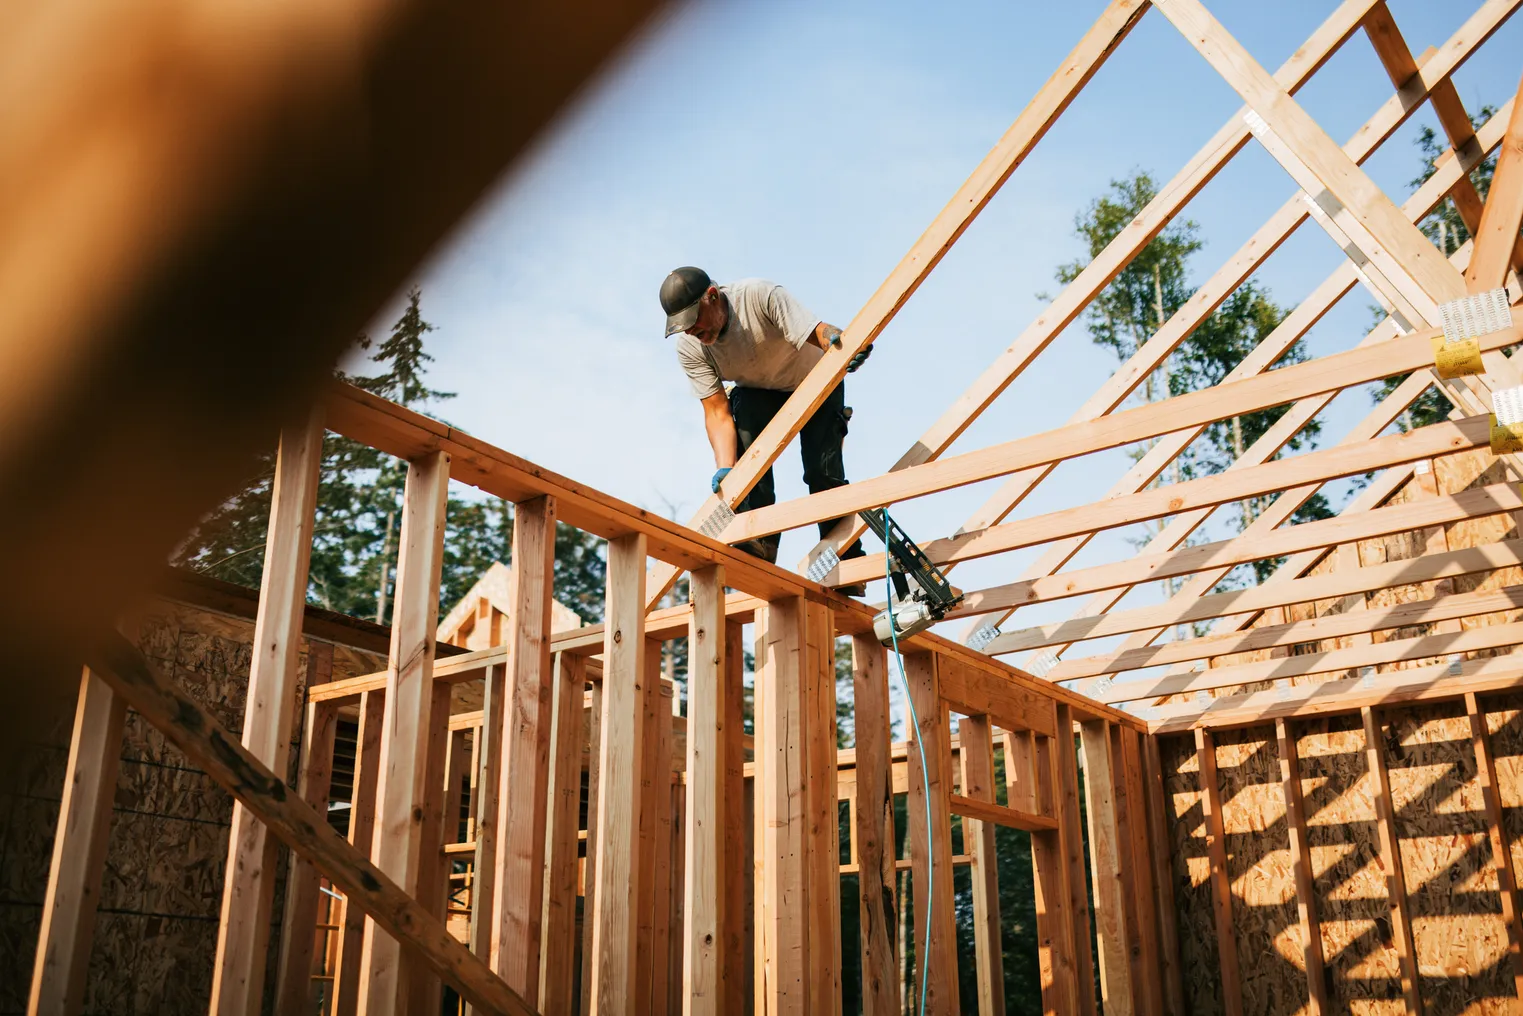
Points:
[(679, 297)]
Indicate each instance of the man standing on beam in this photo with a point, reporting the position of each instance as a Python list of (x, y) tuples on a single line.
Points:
[(755, 335)]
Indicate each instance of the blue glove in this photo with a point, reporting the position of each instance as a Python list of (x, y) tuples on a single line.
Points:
[(859, 360), (719, 476)]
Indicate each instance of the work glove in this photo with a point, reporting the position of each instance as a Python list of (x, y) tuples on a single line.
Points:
[(719, 475), (856, 361)]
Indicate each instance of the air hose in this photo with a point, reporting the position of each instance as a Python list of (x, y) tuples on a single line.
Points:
[(925, 777)]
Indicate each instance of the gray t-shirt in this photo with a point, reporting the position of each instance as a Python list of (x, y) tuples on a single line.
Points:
[(765, 345)]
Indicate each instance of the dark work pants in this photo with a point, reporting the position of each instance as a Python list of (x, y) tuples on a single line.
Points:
[(819, 444)]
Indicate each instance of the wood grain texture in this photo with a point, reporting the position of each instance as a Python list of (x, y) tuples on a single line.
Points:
[(404, 780), (1049, 869), (1065, 757), (1497, 235), (1220, 877), (703, 946), (931, 845), (518, 897), (1300, 860), (557, 971), (1138, 849), (822, 822), (1435, 512), (62, 960), (620, 750), (293, 978), (1496, 831), (738, 869), (872, 834), (212, 748), (1163, 878), (362, 807), (1287, 384), (1205, 492), (1104, 862), (976, 754), (247, 892), (782, 873), (1391, 861)]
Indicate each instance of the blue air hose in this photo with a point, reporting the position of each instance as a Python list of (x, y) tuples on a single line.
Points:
[(925, 774)]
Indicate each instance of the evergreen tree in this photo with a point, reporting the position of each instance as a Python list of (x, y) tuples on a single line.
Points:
[(358, 520), (1143, 297), (1447, 230), (1235, 329)]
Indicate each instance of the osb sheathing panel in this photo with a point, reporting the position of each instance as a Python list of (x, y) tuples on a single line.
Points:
[(1265, 922), (1192, 886), (1451, 885), (162, 882), (1461, 942), (1453, 473), (1344, 846), (1504, 720)]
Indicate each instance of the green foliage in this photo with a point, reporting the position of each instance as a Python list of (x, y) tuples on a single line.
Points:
[(1447, 231), (1144, 296), (1443, 225), (358, 519), (846, 697), (1146, 292)]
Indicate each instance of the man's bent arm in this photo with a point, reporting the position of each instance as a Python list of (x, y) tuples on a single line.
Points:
[(823, 335), (720, 426)]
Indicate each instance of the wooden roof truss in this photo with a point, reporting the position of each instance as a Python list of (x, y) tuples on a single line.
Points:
[(1388, 257)]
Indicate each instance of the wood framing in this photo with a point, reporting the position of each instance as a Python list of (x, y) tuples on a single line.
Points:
[(79, 851), (986, 180), (293, 980), (1315, 377), (385, 979), (782, 866), (390, 909), (710, 869), (703, 946), (557, 957), (362, 812), (1056, 925), (620, 748), (1300, 860), (527, 707), (1221, 885), (1390, 858), (976, 753), (244, 927), (930, 822), (873, 831), (1163, 878), (1106, 866), (736, 965), (1496, 835)]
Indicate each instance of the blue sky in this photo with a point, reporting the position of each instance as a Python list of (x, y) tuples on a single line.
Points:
[(811, 143)]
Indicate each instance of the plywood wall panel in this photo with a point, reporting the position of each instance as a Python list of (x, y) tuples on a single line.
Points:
[(1192, 885), (1451, 886), (1504, 720), (162, 881), (1265, 922), (1351, 902)]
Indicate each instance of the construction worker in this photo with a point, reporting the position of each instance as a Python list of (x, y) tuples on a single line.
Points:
[(755, 335)]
